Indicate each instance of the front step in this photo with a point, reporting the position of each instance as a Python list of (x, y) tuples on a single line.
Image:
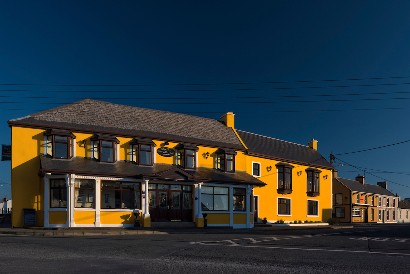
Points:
[(173, 224)]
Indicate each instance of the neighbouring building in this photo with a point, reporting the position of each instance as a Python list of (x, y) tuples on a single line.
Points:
[(5, 206), (404, 211), (98, 164), (298, 179), (354, 201)]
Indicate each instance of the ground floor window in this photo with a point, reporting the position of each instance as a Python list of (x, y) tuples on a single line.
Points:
[(388, 215), (214, 198), (58, 193), (339, 212), (283, 206), (356, 212), (84, 194), (380, 215), (239, 199), (117, 195), (312, 207), (372, 214)]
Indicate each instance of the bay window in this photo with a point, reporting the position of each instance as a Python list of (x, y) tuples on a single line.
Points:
[(186, 156), (214, 198), (58, 144), (313, 181), (120, 195), (225, 160), (142, 151), (104, 148), (284, 178)]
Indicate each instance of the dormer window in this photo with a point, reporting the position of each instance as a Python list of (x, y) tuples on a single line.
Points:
[(284, 178), (104, 148), (313, 182), (142, 151), (59, 144), (186, 155), (225, 160)]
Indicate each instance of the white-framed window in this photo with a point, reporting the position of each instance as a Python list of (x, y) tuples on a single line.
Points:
[(59, 144), (356, 212), (84, 194), (58, 193), (380, 215), (104, 148), (120, 195), (380, 200), (388, 215), (256, 169), (312, 208), (215, 198), (284, 206)]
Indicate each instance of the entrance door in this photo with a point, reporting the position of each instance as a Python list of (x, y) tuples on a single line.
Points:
[(255, 208), (170, 202)]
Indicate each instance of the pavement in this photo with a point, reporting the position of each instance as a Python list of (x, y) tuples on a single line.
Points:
[(58, 232)]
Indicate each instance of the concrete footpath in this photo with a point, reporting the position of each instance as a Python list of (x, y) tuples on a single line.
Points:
[(59, 232)]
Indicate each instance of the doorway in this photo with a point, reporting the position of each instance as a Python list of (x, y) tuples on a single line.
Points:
[(170, 202)]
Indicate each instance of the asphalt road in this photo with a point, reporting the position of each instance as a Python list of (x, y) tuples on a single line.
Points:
[(368, 249)]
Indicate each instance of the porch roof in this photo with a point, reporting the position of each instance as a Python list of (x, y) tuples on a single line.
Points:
[(122, 169)]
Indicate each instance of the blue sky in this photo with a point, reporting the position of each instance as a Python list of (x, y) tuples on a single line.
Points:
[(336, 71)]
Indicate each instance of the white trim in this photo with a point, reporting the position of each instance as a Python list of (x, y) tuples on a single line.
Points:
[(260, 169), (97, 202), (277, 207), (73, 147), (154, 157), (307, 208), (248, 206), (117, 152), (46, 200), (230, 205)]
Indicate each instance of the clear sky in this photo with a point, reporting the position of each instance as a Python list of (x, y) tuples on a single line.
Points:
[(336, 71)]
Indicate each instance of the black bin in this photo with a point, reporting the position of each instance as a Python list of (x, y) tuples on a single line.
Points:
[(29, 216)]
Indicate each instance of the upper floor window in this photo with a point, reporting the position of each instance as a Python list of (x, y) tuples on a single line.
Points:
[(142, 151), (313, 181), (380, 200), (256, 169), (186, 155), (388, 202), (225, 160), (104, 148), (284, 178), (59, 144)]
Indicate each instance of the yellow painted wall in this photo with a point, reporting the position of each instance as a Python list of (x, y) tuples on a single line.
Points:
[(84, 217), (239, 219), (26, 185), (268, 195), (218, 218), (57, 217), (113, 217)]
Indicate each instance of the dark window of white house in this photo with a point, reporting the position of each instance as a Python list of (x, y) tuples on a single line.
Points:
[(284, 178), (283, 206), (256, 169), (313, 181), (120, 195), (58, 193), (313, 207), (340, 212)]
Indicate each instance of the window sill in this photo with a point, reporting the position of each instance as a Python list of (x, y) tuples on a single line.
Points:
[(284, 191)]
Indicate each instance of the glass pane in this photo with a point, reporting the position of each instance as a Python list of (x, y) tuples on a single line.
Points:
[(220, 202), (207, 190), (106, 144), (229, 165), (163, 186), (145, 148), (190, 162), (190, 152), (175, 187), (152, 186), (187, 188), (239, 191), (145, 158), (175, 200), (221, 190), (207, 201), (107, 154), (84, 193), (60, 139), (163, 197), (60, 150), (187, 201), (239, 203), (152, 196)]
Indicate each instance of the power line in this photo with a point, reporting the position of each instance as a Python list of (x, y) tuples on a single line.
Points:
[(365, 171), (374, 148)]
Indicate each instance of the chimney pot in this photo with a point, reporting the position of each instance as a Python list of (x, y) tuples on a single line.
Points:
[(360, 179), (228, 119), (313, 144)]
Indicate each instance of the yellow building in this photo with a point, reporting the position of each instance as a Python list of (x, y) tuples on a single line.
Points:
[(298, 179), (98, 164)]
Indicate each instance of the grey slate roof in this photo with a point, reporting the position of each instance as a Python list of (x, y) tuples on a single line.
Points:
[(102, 117), (282, 150), (367, 188), (83, 166), (404, 204)]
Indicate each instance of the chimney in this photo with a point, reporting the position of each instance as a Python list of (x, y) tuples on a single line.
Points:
[(360, 179), (382, 184), (335, 175), (313, 144), (228, 119)]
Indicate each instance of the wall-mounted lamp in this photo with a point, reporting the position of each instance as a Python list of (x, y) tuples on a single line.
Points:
[(299, 173), (325, 177), (164, 144), (82, 143), (205, 155), (268, 168)]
